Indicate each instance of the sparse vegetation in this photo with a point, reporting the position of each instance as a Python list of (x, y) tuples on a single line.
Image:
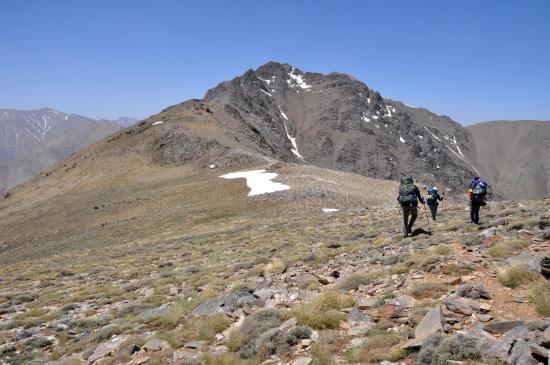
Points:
[(507, 248), (323, 312), (540, 294), (516, 275), (428, 289), (438, 350)]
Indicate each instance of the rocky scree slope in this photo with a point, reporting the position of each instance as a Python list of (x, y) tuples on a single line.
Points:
[(514, 156), (318, 289), (338, 122)]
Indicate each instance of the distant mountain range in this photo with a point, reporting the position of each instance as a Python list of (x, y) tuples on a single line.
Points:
[(34, 140), (278, 113)]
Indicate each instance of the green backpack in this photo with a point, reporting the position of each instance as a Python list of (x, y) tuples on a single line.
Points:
[(407, 189)]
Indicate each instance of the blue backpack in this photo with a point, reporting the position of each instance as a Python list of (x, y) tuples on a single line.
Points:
[(432, 197)]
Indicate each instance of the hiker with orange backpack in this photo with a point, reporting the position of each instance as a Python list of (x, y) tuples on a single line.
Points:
[(477, 191)]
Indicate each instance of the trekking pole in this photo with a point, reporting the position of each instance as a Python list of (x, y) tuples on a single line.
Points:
[(427, 220)]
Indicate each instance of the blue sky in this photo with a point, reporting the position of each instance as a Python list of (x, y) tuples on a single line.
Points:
[(472, 60)]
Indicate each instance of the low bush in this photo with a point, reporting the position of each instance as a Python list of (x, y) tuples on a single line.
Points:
[(244, 339), (438, 350)]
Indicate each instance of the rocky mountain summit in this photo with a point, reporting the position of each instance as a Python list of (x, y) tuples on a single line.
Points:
[(338, 122)]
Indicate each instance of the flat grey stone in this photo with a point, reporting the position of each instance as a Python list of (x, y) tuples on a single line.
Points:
[(155, 345), (502, 326), (224, 303)]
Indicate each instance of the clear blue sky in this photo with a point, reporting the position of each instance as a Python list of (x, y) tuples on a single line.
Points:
[(473, 60)]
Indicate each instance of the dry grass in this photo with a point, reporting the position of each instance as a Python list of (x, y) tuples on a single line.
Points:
[(517, 275), (324, 311), (507, 248), (428, 289), (353, 281), (379, 347), (540, 294), (205, 328)]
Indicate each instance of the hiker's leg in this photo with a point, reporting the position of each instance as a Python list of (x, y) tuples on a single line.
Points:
[(476, 213), (414, 214), (406, 209), (433, 210), (472, 212)]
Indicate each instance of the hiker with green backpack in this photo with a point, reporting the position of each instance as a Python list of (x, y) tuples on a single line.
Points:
[(408, 197)]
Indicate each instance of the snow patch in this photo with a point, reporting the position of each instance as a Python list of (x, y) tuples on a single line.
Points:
[(265, 92), (436, 137), (330, 210), (157, 123), (364, 118), (282, 113), (299, 80), (258, 181), (293, 142), (401, 139)]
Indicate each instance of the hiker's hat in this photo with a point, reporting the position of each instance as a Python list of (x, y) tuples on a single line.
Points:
[(434, 188)]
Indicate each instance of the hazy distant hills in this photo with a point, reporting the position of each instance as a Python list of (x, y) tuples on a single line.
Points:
[(33, 140), (515, 156)]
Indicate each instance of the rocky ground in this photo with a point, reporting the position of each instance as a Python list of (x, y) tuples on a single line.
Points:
[(306, 288)]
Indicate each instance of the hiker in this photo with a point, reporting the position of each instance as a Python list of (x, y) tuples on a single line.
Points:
[(433, 201), (408, 197), (477, 191)]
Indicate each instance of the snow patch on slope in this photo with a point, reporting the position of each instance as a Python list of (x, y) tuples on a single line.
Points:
[(258, 181), (293, 142), (298, 79)]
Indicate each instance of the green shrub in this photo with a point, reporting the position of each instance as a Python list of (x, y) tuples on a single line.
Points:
[(244, 339), (438, 350)]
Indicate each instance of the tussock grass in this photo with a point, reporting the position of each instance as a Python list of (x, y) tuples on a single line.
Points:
[(205, 328), (540, 294), (428, 289), (276, 266), (324, 311), (517, 275), (507, 248), (353, 281), (379, 347)]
